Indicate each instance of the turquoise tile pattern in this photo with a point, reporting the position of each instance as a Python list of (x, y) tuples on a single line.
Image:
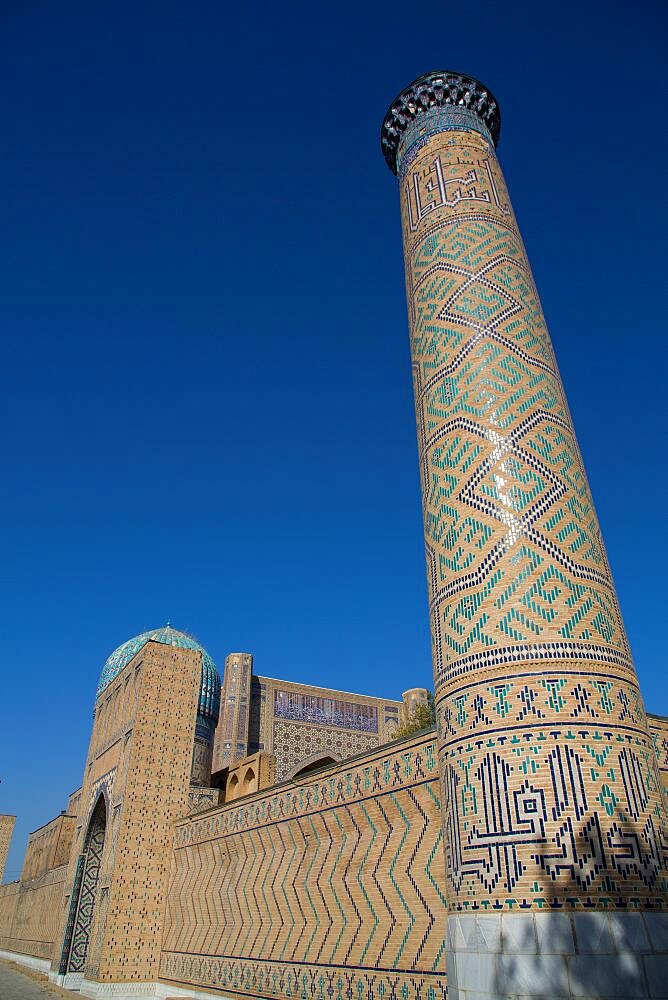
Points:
[(552, 795), (209, 695)]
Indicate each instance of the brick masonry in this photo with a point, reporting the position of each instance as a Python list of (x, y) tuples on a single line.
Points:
[(30, 913), (295, 722), (48, 847), (328, 886), (6, 831), (658, 728), (551, 784)]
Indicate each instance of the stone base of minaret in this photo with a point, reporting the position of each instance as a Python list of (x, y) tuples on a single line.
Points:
[(609, 956)]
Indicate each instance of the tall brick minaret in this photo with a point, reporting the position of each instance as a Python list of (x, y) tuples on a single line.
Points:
[(554, 817)]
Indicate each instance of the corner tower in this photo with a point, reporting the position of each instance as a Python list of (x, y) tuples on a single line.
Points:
[(554, 816)]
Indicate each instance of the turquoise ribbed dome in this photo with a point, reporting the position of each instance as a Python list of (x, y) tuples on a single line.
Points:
[(209, 693)]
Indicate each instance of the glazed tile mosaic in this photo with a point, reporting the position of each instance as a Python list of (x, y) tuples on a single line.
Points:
[(552, 794)]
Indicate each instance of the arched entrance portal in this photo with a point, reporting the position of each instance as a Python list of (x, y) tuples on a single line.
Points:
[(90, 876)]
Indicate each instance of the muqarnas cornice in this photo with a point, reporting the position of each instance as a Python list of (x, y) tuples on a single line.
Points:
[(440, 88)]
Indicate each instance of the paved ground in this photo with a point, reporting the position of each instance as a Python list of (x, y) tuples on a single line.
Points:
[(19, 983)]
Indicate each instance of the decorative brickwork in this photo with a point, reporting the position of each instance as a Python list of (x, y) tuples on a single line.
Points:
[(543, 874), (74, 803), (231, 740), (6, 831), (88, 890), (551, 787), (144, 732), (658, 728), (155, 794), (9, 894), (252, 774), (257, 714), (200, 799), (30, 913), (49, 847), (296, 743), (325, 888)]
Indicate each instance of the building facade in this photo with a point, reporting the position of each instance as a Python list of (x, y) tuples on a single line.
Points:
[(253, 837), (299, 724)]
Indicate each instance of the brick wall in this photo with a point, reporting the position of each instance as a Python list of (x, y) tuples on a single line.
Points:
[(48, 847), (328, 883), (30, 913), (6, 830)]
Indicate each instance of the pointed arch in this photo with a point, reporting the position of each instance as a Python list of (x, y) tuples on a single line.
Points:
[(90, 864), (316, 761)]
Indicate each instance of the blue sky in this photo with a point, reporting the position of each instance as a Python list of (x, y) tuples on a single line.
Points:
[(206, 408)]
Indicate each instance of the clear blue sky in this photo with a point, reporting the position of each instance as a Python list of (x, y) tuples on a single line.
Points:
[(206, 401)]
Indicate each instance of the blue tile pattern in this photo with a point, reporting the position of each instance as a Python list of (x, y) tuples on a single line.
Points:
[(209, 692)]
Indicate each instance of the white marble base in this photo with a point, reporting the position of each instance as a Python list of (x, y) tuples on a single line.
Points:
[(551, 956), (41, 964), (145, 991)]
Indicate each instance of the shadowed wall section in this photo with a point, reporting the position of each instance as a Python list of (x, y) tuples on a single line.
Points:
[(322, 887)]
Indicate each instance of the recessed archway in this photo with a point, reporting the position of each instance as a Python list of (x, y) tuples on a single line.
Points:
[(313, 763), (232, 788), (90, 877)]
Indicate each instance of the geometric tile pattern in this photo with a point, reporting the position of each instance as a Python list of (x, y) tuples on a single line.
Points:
[(231, 741), (658, 728), (327, 887), (88, 889), (552, 795), (263, 713), (295, 743)]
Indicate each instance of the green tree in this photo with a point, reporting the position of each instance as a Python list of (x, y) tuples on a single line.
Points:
[(423, 716)]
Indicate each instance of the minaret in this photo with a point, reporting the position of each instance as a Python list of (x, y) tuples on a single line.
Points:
[(554, 817)]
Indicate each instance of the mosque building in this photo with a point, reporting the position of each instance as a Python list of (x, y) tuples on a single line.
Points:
[(259, 838)]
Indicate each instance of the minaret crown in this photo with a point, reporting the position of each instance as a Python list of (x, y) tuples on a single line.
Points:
[(438, 89)]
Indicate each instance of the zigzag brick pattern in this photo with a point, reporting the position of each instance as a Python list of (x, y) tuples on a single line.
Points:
[(330, 888), (552, 793)]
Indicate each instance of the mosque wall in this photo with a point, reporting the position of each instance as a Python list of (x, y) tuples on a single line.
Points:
[(74, 803), (6, 831), (48, 847), (296, 722), (30, 913), (326, 886), (8, 900)]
